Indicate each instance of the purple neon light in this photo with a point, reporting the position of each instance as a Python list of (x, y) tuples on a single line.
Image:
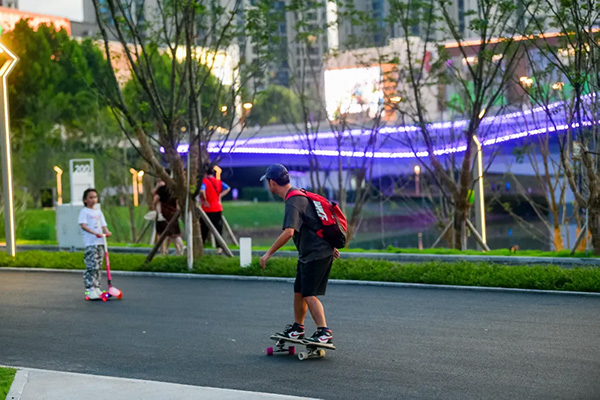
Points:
[(436, 126), (229, 146), (389, 155)]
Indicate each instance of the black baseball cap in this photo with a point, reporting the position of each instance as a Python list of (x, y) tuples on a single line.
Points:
[(275, 171)]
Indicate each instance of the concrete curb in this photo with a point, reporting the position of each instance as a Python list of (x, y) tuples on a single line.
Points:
[(331, 281), (32, 383), (16, 390)]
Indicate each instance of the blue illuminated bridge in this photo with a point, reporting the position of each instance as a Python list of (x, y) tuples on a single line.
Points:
[(395, 148)]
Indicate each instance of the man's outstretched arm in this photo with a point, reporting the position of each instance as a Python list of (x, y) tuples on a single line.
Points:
[(286, 235)]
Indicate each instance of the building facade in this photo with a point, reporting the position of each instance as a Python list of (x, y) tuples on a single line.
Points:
[(10, 4)]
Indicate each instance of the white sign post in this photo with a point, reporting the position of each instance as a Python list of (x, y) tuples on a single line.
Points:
[(82, 178), (245, 251)]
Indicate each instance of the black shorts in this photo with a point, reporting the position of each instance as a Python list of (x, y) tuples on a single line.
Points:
[(312, 277)]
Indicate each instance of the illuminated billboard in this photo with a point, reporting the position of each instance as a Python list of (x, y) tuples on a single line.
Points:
[(354, 91)]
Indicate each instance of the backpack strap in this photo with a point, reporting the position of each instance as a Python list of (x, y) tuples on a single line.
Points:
[(213, 185), (295, 192)]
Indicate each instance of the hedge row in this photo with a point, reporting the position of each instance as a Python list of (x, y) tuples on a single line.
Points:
[(460, 273)]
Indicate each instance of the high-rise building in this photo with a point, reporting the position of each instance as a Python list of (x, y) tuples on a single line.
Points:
[(10, 3), (142, 10), (311, 35)]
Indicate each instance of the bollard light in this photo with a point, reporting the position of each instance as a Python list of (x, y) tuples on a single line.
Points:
[(140, 176), (417, 180), (134, 185), (59, 173)]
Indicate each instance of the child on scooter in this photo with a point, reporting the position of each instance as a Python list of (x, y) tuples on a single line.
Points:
[(94, 227)]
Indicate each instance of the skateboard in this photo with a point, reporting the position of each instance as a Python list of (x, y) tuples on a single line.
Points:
[(313, 350)]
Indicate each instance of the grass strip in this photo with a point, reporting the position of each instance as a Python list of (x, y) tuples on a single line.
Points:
[(394, 250), (542, 277), (7, 375)]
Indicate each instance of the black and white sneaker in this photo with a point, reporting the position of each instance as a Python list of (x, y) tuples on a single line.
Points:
[(292, 332), (321, 336)]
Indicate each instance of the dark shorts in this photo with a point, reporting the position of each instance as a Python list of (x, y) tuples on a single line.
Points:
[(217, 220), (312, 277)]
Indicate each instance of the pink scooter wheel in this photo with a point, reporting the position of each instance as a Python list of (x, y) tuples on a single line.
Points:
[(269, 351), (292, 350)]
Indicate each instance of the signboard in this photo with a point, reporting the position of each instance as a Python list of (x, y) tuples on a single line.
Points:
[(354, 91), (82, 178)]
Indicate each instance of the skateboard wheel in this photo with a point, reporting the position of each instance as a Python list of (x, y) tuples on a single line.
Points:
[(269, 351), (292, 350), (302, 356), (321, 353)]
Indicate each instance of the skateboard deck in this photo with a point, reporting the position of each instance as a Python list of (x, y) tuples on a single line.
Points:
[(313, 350)]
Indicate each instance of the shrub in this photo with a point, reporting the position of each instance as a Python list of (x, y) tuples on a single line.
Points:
[(459, 273)]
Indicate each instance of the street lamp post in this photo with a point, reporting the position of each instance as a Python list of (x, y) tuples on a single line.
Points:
[(8, 64), (479, 197), (59, 173)]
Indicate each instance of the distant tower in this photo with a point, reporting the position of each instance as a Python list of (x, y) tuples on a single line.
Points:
[(10, 3)]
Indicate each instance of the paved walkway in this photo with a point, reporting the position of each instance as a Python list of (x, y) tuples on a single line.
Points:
[(37, 384)]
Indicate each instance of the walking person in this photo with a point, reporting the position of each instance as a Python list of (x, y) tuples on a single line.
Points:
[(166, 207), (94, 227), (315, 257), (212, 191)]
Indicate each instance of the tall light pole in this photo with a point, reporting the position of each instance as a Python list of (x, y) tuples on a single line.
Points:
[(479, 198), (59, 173), (8, 60)]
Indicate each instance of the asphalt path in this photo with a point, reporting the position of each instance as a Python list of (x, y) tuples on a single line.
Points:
[(393, 343)]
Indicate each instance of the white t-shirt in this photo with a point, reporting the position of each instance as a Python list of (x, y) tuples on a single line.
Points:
[(94, 219)]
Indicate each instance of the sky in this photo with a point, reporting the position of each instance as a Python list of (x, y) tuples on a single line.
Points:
[(71, 9)]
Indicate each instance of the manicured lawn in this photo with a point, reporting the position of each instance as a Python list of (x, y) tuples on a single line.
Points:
[(6, 378), (253, 215), (37, 226)]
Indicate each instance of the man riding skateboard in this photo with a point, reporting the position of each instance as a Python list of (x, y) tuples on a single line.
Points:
[(315, 257)]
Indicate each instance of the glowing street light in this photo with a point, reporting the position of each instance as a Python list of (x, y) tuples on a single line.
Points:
[(59, 173), (395, 99), (247, 106), (558, 86), (140, 185), (526, 81), (136, 185), (223, 109), (482, 113), (9, 60)]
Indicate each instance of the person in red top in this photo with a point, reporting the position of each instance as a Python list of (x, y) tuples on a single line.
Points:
[(211, 193)]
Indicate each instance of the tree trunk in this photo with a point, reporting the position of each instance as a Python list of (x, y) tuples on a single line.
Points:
[(460, 229), (594, 229), (557, 238), (197, 238)]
